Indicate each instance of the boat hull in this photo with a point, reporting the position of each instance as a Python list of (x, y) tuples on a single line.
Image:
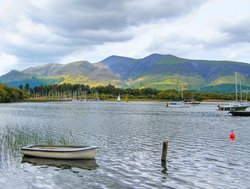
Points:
[(60, 152), (240, 113), (192, 103), (177, 105)]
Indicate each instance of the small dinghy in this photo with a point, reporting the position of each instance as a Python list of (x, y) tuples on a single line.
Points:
[(60, 152)]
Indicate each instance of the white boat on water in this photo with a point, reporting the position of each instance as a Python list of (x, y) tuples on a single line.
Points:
[(177, 105), (119, 98), (231, 107), (60, 152), (192, 103)]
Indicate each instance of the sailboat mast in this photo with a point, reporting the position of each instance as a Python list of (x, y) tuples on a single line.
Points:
[(236, 96), (240, 92), (182, 95), (181, 87), (246, 94)]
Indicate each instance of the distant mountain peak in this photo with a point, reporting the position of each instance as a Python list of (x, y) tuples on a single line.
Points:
[(14, 75), (79, 62), (46, 69), (157, 55), (116, 59), (14, 71)]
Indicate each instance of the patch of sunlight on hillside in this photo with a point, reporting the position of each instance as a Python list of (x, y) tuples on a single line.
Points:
[(174, 81), (230, 80), (131, 81), (49, 80), (86, 81), (141, 79)]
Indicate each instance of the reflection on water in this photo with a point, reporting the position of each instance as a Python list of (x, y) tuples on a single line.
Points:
[(65, 164), (130, 137), (164, 167)]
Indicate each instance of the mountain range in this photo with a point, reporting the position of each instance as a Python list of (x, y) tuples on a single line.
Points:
[(155, 71)]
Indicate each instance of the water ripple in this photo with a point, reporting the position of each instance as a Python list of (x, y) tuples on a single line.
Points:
[(130, 137)]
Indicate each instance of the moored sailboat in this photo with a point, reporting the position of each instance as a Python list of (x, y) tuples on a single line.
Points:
[(126, 98), (178, 104), (118, 98), (238, 106)]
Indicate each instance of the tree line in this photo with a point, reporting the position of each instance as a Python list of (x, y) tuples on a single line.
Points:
[(111, 92), (11, 94)]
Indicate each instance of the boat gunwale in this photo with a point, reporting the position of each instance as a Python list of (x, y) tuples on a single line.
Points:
[(71, 148)]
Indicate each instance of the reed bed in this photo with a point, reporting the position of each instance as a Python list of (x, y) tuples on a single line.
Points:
[(13, 138)]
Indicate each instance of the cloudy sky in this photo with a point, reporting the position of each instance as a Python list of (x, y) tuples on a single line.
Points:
[(61, 31)]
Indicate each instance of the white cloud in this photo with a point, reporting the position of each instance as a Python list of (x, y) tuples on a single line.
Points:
[(37, 32), (7, 62)]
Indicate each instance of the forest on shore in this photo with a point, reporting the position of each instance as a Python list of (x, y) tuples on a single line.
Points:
[(110, 92), (11, 94)]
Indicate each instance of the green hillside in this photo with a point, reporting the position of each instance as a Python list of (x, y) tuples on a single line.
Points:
[(164, 81), (14, 75), (168, 71), (15, 78), (35, 81)]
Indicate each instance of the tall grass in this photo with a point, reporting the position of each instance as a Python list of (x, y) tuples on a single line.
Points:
[(14, 137)]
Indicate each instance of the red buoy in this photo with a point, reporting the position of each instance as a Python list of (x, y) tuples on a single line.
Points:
[(232, 135)]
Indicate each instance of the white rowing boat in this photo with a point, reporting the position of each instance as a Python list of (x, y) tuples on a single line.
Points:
[(60, 152)]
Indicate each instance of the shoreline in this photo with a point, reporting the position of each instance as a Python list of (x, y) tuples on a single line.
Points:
[(113, 100)]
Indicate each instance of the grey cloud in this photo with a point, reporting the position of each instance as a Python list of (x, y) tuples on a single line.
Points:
[(237, 32), (39, 53), (111, 14), (79, 24), (148, 11), (79, 20), (230, 34)]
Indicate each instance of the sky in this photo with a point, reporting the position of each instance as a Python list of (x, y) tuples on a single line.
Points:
[(61, 31)]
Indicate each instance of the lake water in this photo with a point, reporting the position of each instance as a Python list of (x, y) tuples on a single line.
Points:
[(130, 136)]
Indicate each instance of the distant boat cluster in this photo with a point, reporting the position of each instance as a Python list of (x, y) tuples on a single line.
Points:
[(238, 108)]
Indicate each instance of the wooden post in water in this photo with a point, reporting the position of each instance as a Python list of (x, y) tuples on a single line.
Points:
[(164, 151)]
